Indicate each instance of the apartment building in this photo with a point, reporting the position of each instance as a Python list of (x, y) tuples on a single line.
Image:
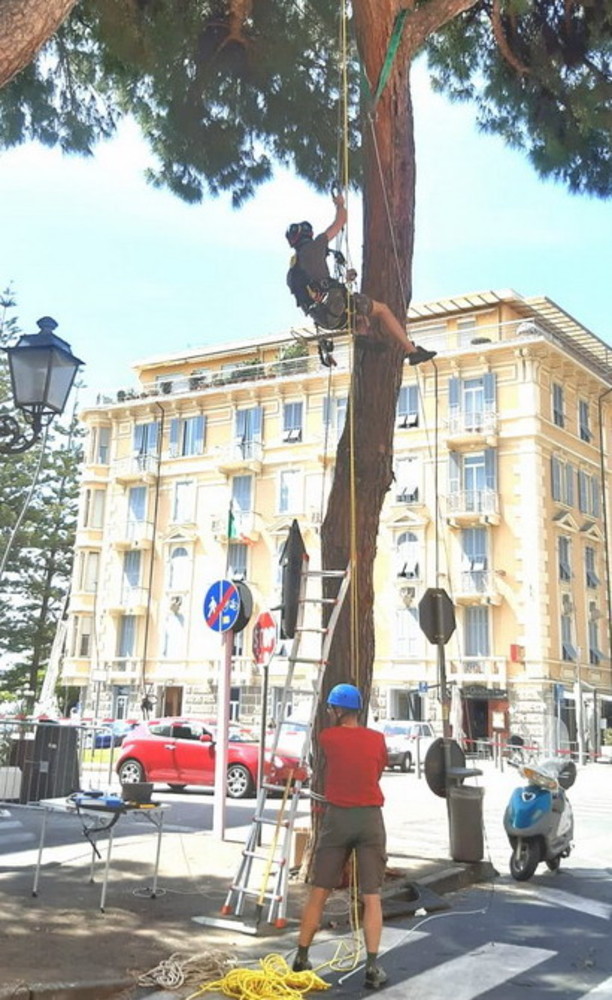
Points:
[(500, 497)]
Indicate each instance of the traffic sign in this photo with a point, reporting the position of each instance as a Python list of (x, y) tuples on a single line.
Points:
[(221, 605), (264, 638), (437, 615)]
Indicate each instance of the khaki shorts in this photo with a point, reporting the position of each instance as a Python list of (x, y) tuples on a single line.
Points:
[(360, 828)]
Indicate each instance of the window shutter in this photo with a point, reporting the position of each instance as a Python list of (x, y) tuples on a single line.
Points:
[(174, 436), (454, 391), (454, 472), (490, 457), (489, 390)]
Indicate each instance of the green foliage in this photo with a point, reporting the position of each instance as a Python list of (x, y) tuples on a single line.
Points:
[(216, 110), (545, 84)]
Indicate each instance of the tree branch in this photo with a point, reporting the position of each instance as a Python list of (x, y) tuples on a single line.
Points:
[(25, 26), (432, 16)]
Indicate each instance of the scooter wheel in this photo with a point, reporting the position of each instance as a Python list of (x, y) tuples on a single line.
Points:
[(554, 863), (525, 859)]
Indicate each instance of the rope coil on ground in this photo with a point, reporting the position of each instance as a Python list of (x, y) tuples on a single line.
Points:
[(181, 969), (274, 980)]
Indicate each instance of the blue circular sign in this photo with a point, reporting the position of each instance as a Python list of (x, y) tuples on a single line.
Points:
[(221, 606)]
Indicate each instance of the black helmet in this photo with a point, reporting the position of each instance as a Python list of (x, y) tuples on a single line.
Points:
[(297, 232)]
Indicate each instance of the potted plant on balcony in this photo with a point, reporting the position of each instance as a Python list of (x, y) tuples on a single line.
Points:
[(293, 358)]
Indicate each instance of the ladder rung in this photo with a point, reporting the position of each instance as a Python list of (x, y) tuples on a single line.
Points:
[(255, 893), (308, 628), (303, 659), (262, 857), (318, 600), (269, 822), (331, 573)]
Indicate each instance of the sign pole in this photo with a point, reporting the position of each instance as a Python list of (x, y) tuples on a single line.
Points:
[(223, 707)]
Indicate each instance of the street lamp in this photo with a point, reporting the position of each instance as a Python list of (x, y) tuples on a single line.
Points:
[(42, 370)]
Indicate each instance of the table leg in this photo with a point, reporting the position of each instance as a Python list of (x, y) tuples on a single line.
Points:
[(41, 844), (160, 830), (106, 869)]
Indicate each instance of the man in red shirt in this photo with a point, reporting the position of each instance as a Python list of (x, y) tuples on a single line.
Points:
[(355, 758)]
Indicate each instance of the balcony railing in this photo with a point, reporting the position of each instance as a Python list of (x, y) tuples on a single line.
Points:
[(129, 600), (472, 424), (244, 526), (122, 667), (240, 454), (132, 534), (473, 504), (135, 467), (488, 670), (477, 586)]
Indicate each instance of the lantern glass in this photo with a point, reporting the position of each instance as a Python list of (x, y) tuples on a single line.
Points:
[(42, 372)]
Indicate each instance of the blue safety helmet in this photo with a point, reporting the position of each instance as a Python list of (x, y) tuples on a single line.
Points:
[(345, 696)]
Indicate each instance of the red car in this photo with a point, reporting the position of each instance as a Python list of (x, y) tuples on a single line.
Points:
[(181, 751)]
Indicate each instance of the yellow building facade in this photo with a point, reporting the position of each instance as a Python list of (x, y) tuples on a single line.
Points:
[(500, 498)]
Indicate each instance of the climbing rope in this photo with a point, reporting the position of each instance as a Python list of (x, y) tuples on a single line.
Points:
[(273, 980), (180, 970)]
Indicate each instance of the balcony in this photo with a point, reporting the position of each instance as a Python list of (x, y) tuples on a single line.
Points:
[(245, 527), (75, 670), (487, 670), (477, 586), (82, 602), (241, 456), (122, 669), (129, 601), (132, 534), (135, 469), (472, 429), (469, 507)]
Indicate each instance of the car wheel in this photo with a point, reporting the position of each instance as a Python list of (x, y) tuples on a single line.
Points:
[(240, 784), (406, 762), (131, 771), (177, 788)]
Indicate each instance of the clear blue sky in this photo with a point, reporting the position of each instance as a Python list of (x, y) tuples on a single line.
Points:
[(131, 272)]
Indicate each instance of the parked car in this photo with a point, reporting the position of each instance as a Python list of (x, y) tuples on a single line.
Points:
[(181, 752), (108, 734), (401, 738)]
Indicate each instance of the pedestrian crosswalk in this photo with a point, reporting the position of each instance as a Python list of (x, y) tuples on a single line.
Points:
[(13, 832)]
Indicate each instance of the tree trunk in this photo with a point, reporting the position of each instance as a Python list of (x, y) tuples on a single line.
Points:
[(363, 473), (25, 26)]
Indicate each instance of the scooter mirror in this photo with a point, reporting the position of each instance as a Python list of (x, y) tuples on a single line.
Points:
[(567, 775)]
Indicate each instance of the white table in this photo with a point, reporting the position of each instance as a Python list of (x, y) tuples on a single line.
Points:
[(95, 823)]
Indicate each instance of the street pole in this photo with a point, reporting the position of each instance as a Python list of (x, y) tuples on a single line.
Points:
[(444, 703), (221, 748)]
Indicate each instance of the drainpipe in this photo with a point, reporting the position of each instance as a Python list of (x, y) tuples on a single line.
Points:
[(145, 645)]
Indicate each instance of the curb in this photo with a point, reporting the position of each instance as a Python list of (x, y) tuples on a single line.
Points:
[(83, 990)]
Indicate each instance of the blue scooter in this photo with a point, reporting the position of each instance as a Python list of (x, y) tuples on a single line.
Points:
[(538, 819)]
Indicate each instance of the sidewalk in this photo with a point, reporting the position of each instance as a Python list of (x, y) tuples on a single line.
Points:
[(59, 945)]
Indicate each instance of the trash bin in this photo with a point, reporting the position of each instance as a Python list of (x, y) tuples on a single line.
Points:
[(465, 822)]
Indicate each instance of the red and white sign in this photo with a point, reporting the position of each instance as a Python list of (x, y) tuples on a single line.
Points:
[(264, 638)]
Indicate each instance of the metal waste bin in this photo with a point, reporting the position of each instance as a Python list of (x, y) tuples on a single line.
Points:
[(465, 822)]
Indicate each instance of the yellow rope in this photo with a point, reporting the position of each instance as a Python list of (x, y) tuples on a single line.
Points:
[(273, 980)]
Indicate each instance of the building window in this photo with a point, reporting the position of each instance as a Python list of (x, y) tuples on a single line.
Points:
[(407, 476), (565, 566), (595, 654), (126, 643), (179, 569), (242, 494), (476, 641), (89, 571), (408, 635), (81, 635), (290, 492), (473, 480), (131, 571), (592, 580), (145, 438), (93, 515), (184, 502), (137, 503), (471, 402), (237, 560), (474, 557), (187, 436), (558, 414), (408, 406), (334, 414), (292, 421), (100, 451), (568, 652), (563, 477), (584, 421), (407, 556), (249, 430)]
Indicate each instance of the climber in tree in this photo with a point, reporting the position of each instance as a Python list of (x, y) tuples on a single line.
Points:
[(327, 300)]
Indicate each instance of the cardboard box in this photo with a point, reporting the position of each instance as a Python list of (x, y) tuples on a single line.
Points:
[(301, 836)]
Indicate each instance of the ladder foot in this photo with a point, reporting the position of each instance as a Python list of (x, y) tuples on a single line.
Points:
[(225, 910), (280, 923)]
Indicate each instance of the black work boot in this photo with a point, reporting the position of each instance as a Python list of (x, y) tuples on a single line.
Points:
[(301, 966), (419, 355), (375, 977)]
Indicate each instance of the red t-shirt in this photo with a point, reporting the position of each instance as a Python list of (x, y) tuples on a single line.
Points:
[(355, 758)]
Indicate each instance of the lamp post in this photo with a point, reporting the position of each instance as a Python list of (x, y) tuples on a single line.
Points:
[(42, 369)]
